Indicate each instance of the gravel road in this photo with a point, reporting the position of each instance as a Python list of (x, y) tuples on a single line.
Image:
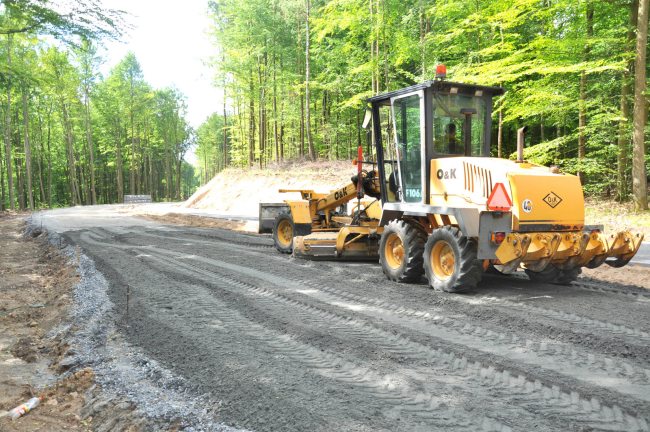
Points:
[(274, 343)]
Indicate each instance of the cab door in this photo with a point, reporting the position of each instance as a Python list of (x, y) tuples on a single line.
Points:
[(408, 120)]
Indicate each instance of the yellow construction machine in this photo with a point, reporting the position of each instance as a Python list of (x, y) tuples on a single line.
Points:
[(319, 226), (444, 208)]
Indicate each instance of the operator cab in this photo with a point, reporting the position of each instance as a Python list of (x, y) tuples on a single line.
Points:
[(433, 120)]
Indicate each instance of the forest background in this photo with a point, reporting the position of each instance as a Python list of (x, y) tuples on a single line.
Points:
[(295, 75)]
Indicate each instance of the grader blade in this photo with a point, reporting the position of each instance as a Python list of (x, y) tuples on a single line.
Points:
[(349, 243)]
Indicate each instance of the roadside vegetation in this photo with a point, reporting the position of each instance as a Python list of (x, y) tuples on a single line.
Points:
[(295, 75), (72, 136)]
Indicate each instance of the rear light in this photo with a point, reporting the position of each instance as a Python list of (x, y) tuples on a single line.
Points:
[(498, 238), (595, 231)]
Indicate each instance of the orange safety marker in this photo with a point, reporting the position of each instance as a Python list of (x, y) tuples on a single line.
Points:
[(360, 158), (499, 199)]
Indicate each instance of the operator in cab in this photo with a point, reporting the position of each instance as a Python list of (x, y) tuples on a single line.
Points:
[(448, 143)]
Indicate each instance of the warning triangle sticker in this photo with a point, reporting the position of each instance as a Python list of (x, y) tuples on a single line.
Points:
[(499, 199)]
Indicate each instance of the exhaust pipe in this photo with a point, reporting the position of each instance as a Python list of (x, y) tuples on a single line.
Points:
[(520, 144)]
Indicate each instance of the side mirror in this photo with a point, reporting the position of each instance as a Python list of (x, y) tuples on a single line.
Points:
[(367, 120)]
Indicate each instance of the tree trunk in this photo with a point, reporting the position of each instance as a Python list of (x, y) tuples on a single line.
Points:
[(10, 178), (49, 161), (2, 185), (138, 165), (178, 176), (83, 179), (639, 179), (582, 120), (275, 115), (225, 126), (120, 177), (312, 152), (302, 98), (383, 27), (68, 136), (251, 125), (21, 190), (39, 159), (168, 174), (621, 157), (28, 150), (90, 147), (151, 186), (500, 132)]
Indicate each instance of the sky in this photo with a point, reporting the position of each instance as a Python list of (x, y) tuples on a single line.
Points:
[(169, 42)]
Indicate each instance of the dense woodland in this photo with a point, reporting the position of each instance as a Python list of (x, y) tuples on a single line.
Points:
[(73, 136), (295, 75)]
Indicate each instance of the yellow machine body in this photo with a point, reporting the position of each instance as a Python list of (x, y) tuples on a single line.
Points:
[(547, 213), (540, 199), (324, 233), (432, 170)]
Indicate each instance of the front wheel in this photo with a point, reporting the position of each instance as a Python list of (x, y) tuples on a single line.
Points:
[(554, 275), (283, 232), (450, 261), (400, 251)]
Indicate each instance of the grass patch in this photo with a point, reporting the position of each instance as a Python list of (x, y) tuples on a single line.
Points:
[(616, 216)]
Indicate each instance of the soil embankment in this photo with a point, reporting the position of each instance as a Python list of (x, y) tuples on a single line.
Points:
[(241, 190), (35, 285)]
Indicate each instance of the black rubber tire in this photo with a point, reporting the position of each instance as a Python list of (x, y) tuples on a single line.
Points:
[(286, 249), (618, 262), (413, 243), (468, 270), (495, 271), (554, 275), (568, 276)]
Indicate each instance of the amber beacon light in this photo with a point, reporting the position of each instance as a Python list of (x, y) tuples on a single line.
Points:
[(441, 72)]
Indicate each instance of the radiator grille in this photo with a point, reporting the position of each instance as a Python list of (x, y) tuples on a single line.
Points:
[(477, 180)]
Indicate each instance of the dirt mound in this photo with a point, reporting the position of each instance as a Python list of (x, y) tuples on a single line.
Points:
[(25, 349), (241, 190)]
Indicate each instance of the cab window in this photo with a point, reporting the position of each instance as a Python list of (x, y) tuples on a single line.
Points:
[(449, 124)]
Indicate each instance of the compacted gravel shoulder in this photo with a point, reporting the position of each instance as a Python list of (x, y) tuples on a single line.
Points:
[(247, 337)]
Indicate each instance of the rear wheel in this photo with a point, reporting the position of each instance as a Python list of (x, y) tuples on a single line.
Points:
[(554, 275), (618, 262), (496, 270), (450, 261), (400, 251), (283, 232)]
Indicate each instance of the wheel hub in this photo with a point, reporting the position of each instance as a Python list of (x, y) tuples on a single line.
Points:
[(443, 260), (394, 251), (285, 233)]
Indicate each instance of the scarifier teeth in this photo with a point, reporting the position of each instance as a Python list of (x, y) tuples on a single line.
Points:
[(572, 249)]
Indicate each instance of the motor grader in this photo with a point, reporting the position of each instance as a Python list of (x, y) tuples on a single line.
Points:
[(443, 207)]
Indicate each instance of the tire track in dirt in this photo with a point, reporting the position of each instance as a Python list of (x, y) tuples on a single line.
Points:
[(423, 405), (635, 335), (623, 378), (482, 381), (348, 297), (575, 363), (631, 293), (586, 410)]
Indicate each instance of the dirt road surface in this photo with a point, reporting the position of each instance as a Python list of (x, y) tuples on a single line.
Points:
[(274, 343)]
